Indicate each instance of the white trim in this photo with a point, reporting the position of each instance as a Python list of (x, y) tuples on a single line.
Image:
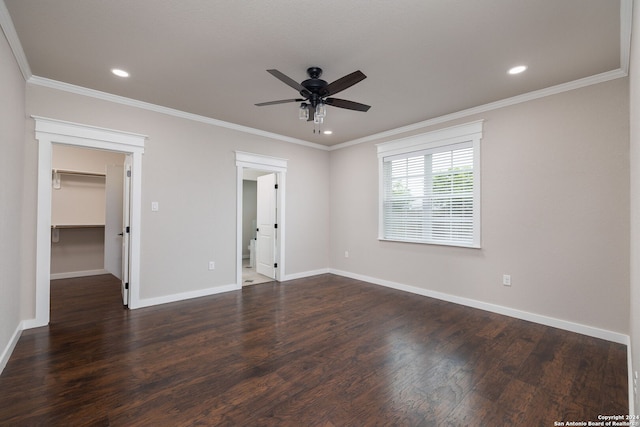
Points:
[(149, 302), (74, 274), (305, 274), (6, 353), (630, 380), (494, 308), (450, 137), (259, 161), (6, 23), (32, 323), (269, 164), (49, 132), (437, 138), (553, 90), (98, 135), (66, 87)]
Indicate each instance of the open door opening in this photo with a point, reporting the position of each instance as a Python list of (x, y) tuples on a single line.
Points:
[(87, 210), (259, 219), (118, 224), (50, 133), (264, 240), (113, 220), (266, 223)]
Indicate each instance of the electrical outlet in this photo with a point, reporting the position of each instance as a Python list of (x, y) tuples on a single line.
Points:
[(346, 254), (506, 279), (212, 265)]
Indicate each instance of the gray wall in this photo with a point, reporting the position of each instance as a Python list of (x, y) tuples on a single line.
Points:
[(189, 168), (555, 213), (12, 92)]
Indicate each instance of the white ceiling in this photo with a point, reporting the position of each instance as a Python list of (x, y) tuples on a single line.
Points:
[(423, 58)]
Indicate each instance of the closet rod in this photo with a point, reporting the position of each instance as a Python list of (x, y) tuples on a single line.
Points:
[(70, 172), (54, 226)]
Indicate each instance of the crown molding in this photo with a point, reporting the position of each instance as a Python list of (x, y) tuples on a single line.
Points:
[(626, 21), (626, 8), (6, 23), (553, 90), (79, 90)]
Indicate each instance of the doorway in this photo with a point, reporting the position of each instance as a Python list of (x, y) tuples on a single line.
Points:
[(49, 132), (259, 210), (269, 173), (87, 214)]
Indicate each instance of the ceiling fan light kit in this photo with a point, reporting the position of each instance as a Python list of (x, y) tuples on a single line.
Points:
[(316, 94), (303, 112)]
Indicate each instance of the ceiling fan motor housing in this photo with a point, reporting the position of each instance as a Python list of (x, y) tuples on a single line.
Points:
[(314, 84)]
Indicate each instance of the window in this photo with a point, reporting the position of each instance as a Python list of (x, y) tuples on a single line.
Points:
[(430, 187)]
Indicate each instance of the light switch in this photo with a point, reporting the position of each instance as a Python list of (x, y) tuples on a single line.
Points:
[(155, 206)]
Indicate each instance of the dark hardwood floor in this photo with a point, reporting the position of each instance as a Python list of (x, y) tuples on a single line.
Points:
[(322, 351)]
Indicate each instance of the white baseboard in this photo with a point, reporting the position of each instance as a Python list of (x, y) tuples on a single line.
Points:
[(630, 378), (494, 308), (74, 274), (148, 302), (6, 353), (305, 274), (32, 323)]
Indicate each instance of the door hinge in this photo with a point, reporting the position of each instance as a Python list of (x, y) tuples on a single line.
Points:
[(275, 225), (128, 229), (129, 174), (257, 229), (126, 285), (275, 265), (276, 186)]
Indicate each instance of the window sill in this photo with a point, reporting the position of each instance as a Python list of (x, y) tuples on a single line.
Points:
[(455, 245)]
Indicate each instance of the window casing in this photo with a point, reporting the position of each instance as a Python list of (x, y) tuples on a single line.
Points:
[(430, 187)]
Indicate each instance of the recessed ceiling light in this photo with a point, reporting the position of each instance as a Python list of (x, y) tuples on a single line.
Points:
[(328, 132), (120, 73), (517, 70)]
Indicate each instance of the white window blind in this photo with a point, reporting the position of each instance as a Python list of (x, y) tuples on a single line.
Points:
[(431, 195)]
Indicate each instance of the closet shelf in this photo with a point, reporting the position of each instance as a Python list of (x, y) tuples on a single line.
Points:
[(53, 226)]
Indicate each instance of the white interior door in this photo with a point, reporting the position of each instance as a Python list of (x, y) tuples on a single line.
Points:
[(126, 224), (266, 226), (113, 220)]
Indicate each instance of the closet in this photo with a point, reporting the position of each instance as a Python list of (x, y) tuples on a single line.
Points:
[(79, 209)]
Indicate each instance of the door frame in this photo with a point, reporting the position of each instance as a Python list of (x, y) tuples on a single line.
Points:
[(278, 166), (49, 132)]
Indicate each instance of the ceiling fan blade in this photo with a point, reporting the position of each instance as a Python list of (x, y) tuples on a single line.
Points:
[(349, 105), (290, 82), (343, 83), (282, 101)]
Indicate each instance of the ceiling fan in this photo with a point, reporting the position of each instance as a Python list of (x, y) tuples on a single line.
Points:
[(317, 93)]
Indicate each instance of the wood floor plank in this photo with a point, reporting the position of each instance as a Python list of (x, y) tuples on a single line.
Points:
[(322, 351)]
